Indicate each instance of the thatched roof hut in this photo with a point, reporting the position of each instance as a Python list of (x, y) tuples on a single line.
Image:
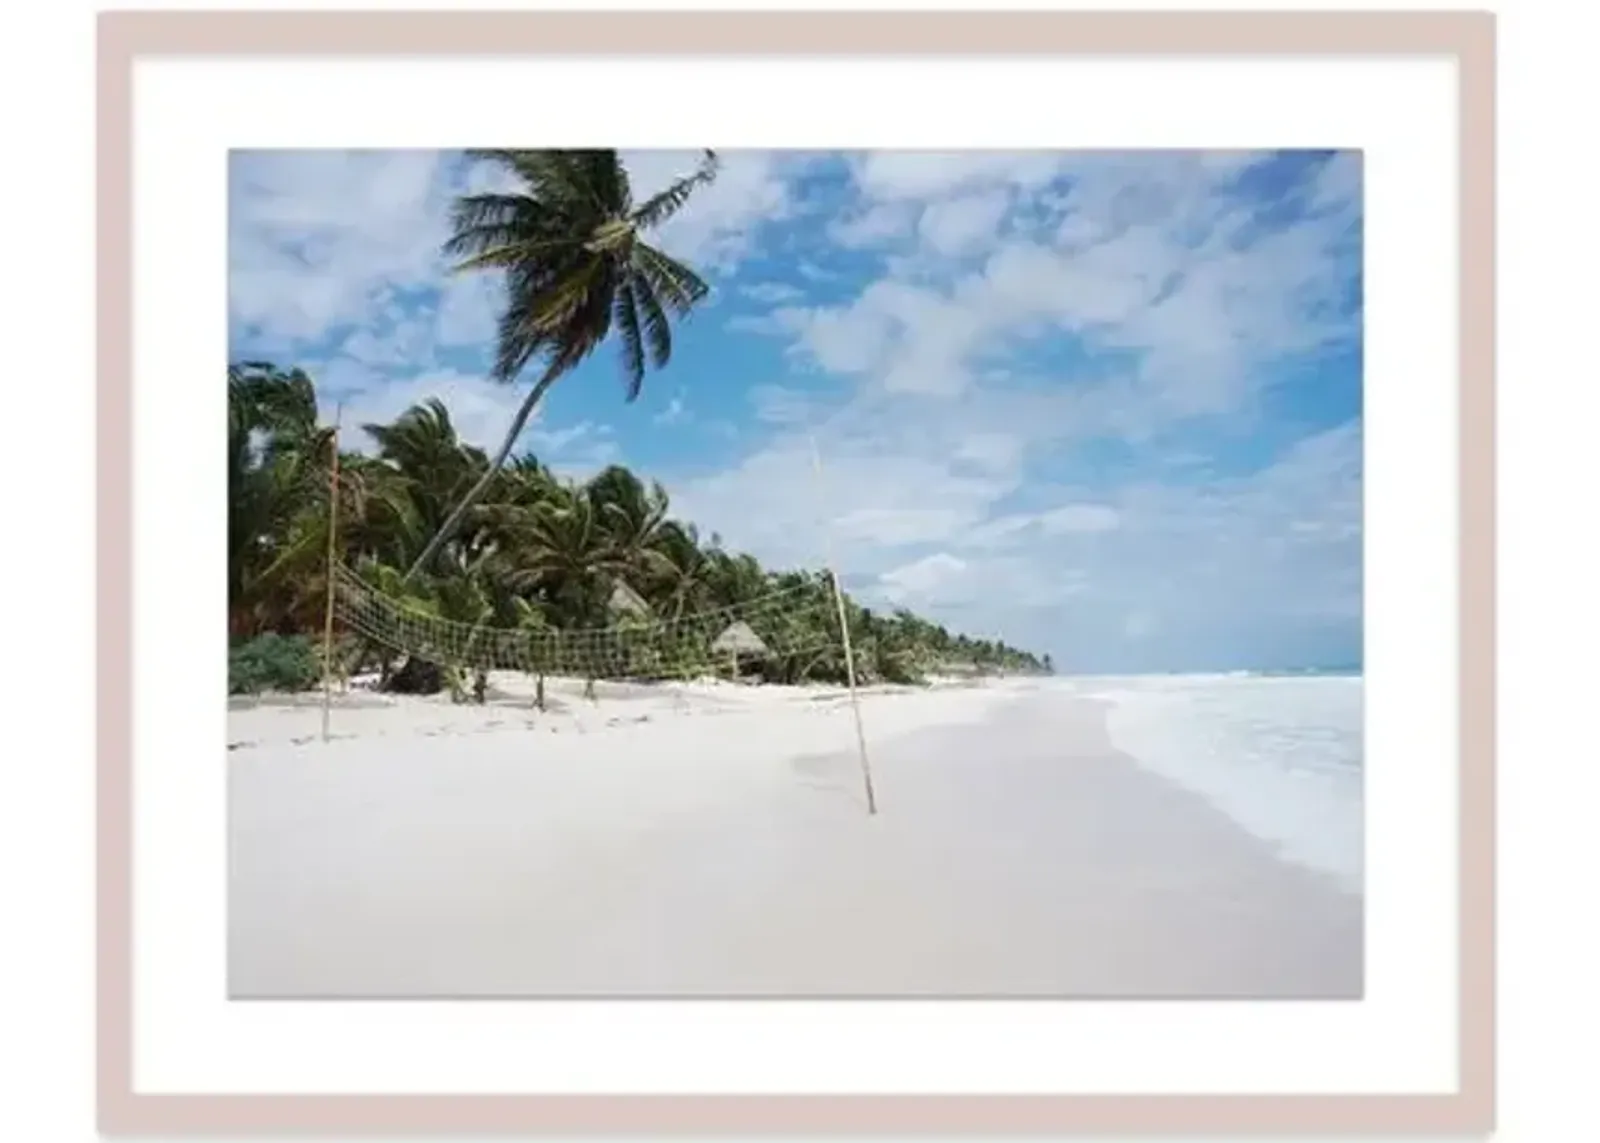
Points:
[(625, 601), (739, 639)]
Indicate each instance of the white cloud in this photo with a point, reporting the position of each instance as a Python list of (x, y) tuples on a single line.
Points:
[(877, 225), (966, 592), (318, 239), (1105, 285), (576, 452), (907, 337), (1281, 542), (992, 452), (1012, 529), (960, 225), (999, 532), (901, 527), (1238, 563), (781, 405), (469, 309), (406, 342), (813, 272), (928, 174), (1071, 518), (870, 502), (843, 340), (922, 578), (772, 292), (1139, 624), (1162, 264)]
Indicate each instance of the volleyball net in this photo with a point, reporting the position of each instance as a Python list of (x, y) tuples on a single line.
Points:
[(796, 623)]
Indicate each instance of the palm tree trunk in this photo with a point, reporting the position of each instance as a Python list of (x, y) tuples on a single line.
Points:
[(475, 493)]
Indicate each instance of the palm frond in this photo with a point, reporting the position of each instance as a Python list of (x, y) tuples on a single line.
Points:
[(556, 179), (663, 205), (673, 282), (535, 320), (658, 330), (472, 213), (609, 180), (632, 344)]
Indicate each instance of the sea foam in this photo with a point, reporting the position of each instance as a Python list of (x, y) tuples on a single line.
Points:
[(1280, 755)]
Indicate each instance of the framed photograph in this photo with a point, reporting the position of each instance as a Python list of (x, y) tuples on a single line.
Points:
[(871, 572)]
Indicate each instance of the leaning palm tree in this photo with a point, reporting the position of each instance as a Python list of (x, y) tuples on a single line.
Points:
[(569, 241)]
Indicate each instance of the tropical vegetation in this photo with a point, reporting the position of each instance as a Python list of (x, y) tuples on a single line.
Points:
[(536, 552)]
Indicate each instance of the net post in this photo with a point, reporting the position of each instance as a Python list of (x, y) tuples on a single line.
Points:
[(333, 529), (844, 634)]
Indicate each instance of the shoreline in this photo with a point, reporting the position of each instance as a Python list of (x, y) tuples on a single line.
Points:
[(1016, 853)]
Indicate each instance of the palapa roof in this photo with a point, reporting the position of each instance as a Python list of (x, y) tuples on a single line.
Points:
[(741, 639), (625, 601)]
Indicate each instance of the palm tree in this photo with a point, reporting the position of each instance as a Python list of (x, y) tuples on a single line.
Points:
[(561, 549), (423, 449), (684, 573), (634, 515), (277, 458), (378, 509), (569, 242), (736, 579)]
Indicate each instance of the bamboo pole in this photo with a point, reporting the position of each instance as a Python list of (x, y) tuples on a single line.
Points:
[(844, 634), (333, 531)]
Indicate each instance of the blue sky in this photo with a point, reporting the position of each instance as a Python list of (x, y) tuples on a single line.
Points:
[(1105, 405)]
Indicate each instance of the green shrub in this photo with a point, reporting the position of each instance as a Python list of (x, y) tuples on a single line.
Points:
[(273, 662)]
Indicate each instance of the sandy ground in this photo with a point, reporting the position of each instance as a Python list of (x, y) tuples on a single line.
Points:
[(361, 714), (713, 840)]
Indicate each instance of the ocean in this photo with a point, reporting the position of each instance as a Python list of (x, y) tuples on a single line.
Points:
[(1279, 754)]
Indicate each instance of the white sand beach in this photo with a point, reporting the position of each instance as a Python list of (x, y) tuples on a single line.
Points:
[(708, 839)]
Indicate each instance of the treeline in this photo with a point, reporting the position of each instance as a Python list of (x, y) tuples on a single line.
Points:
[(536, 552)]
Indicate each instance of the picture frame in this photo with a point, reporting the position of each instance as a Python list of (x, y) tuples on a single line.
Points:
[(125, 38)]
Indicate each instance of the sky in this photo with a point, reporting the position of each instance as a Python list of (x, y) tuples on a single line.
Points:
[(1105, 405)]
